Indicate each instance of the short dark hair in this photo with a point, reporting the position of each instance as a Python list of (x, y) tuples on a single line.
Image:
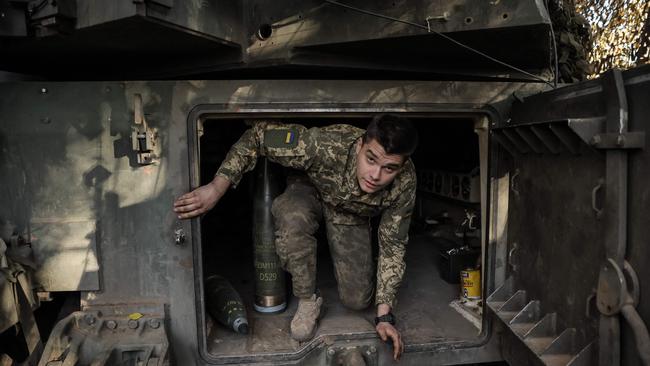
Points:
[(394, 133)]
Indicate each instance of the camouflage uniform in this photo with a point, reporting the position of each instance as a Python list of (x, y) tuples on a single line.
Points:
[(328, 157)]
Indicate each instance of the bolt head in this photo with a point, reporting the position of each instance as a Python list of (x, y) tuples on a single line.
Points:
[(596, 140), (43, 90), (154, 323), (111, 324), (373, 349), (331, 352), (133, 324)]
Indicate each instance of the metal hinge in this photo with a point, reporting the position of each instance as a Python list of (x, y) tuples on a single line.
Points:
[(618, 293)]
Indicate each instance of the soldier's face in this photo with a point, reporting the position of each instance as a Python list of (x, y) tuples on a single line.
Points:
[(375, 168)]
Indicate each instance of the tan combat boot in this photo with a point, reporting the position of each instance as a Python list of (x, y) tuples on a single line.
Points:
[(303, 324)]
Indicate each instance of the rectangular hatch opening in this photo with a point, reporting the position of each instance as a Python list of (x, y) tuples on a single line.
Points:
[(444, 238)]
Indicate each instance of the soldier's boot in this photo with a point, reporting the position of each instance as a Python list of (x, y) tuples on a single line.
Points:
[(303, 324)]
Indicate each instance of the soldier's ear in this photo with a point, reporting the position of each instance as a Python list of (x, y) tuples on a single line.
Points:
[(359, 145)]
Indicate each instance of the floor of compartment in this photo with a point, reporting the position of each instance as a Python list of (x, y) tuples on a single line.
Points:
[(423, 312)]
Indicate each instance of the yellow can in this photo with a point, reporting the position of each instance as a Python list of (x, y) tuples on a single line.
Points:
[(471, 281)]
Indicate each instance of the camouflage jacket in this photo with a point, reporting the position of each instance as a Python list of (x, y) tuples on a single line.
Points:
[(328, 156)]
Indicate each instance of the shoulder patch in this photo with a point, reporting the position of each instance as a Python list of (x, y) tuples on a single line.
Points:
[(281, 138)]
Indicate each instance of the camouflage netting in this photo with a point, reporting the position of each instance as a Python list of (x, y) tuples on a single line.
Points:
[(621, 33), (573, 41), (619, 36)]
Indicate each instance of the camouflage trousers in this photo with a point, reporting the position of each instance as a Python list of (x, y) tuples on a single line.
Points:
[(297, 214)]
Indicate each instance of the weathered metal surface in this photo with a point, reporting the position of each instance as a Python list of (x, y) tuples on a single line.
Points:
[(353, 356), (12, 19), (85, 168), (539, 332), (60, 241), (565, 135), (183, 38), (85, 338), (563, 236)]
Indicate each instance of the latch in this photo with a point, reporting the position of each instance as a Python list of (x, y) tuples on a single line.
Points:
[(143, 138)]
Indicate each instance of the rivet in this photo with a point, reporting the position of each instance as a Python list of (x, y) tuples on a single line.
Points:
[(111, 324), (331, 352), (43, 90)]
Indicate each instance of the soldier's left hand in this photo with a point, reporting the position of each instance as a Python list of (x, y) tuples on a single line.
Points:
[(387, 331)]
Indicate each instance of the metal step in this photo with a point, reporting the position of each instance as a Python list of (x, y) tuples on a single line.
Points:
[(499, 297), (562, 350), (545, 327), (526, 319), (556, 360), (586, 357), (539, 344), (542, 334), (554, 137), (554, 347), (521, 328)]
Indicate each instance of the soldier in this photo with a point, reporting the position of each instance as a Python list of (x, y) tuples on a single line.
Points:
[(350, 176)]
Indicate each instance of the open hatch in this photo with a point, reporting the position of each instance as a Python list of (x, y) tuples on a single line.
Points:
[(445, 238)]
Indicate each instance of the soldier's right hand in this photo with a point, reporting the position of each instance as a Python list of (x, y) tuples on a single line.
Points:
[(201, 200)]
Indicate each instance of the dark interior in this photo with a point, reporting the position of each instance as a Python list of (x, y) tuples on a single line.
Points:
[(424, 311)]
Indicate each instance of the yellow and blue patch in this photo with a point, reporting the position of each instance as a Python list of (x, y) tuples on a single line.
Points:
[(281, 138), (289, 138)]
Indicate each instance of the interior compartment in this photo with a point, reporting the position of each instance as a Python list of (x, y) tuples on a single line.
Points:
[(428, 308)]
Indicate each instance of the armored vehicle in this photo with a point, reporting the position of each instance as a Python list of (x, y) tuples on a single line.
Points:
[(111, 110)]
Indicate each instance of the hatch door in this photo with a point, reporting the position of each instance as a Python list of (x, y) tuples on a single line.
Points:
[(573, 158)]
